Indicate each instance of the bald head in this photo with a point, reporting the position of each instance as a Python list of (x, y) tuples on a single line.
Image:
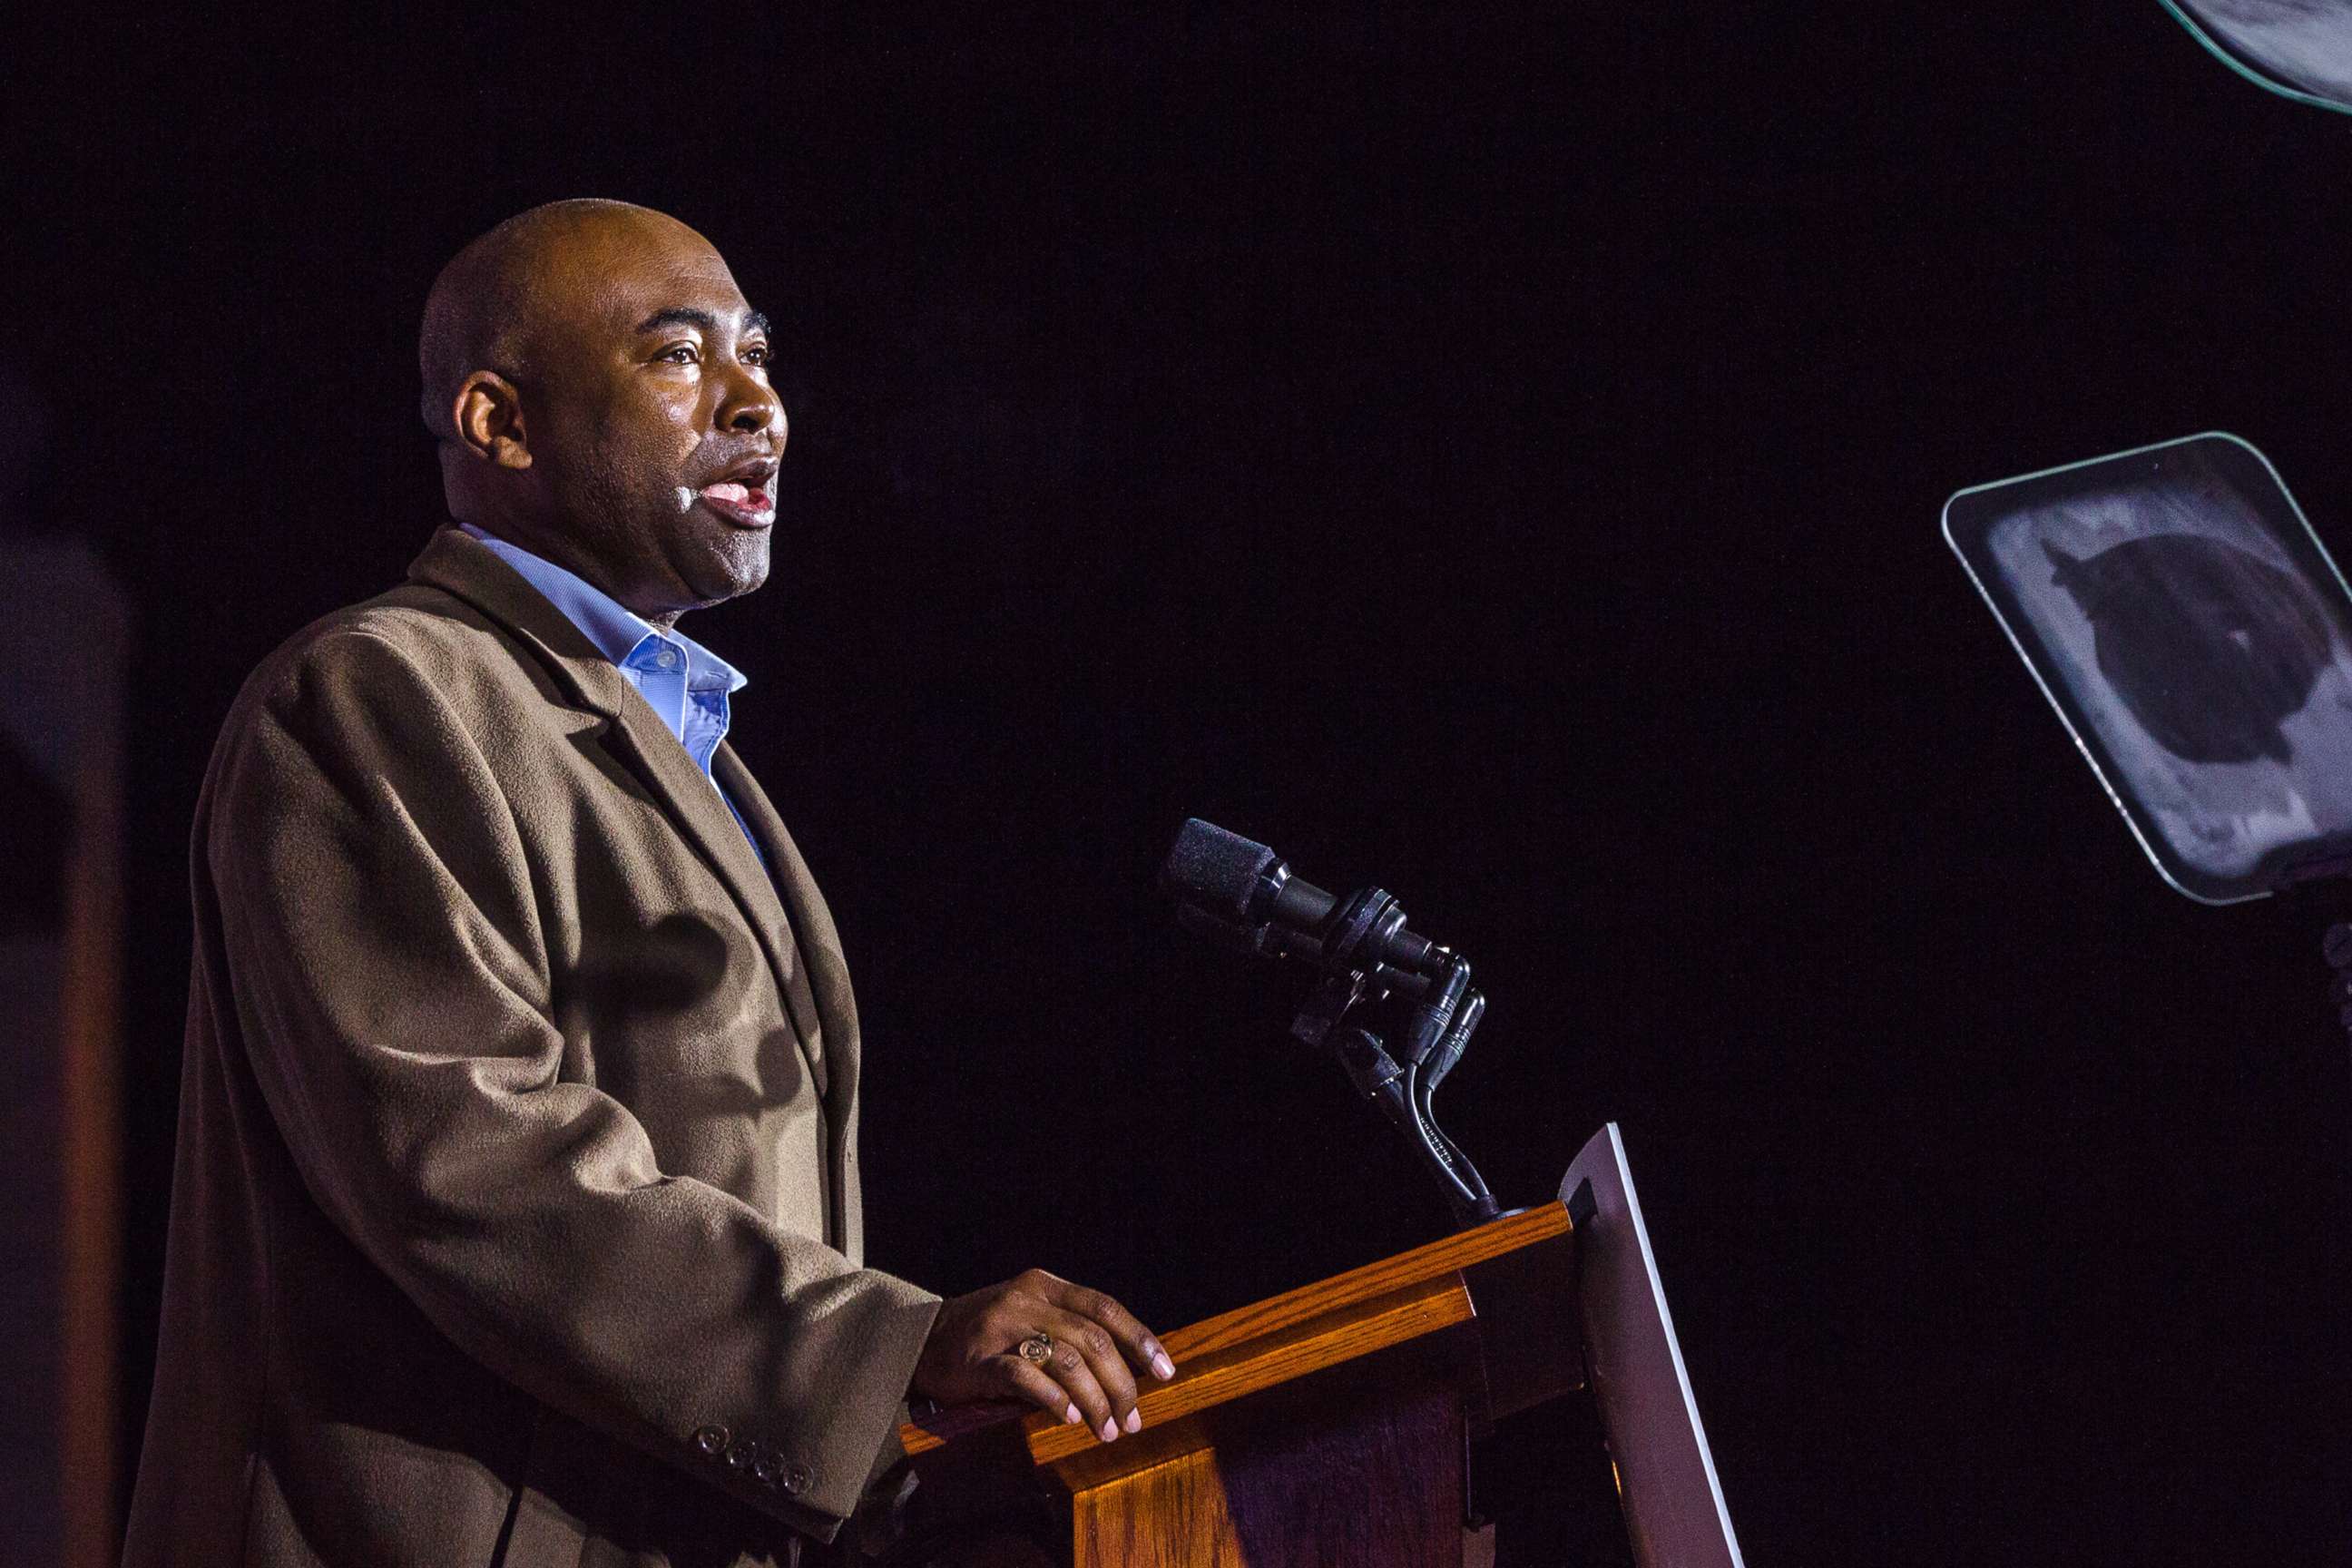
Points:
[(598, 390), (503, 295)]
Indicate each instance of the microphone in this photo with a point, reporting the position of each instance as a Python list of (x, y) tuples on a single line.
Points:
[(1239, 892), (1234, 882)]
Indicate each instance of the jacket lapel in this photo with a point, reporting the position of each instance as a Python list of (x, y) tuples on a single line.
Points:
[(635, 734), (819, 992)]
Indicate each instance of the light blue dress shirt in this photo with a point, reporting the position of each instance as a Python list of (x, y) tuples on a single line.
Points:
[(686, 684)]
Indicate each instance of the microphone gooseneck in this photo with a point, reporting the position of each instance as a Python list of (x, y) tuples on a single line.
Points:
[(1240, 894)]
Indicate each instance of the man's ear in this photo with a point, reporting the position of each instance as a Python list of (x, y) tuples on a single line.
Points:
[(488, 418)]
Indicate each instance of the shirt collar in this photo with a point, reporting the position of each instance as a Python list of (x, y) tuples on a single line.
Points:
[(617, 632)]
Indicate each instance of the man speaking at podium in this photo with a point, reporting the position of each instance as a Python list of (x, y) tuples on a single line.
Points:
[(515, 1217)]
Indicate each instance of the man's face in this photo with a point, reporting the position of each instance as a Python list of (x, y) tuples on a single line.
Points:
[(654, 434)]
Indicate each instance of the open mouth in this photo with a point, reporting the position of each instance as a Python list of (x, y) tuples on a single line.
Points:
[(746, 505)]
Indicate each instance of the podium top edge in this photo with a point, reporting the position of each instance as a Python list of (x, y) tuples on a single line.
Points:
[(1217, 1341), (1229, 1330)]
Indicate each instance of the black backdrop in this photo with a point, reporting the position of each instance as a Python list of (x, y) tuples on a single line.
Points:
[(1498, 458)]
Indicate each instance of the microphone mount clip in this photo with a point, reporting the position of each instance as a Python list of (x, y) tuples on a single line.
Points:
[(1435, 1029)]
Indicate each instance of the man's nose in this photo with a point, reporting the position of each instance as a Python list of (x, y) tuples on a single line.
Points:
[(749, 406)]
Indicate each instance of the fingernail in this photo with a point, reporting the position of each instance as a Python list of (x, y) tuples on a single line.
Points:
[(1162, 1367), (1071, 1416), (1110, 1433), (1134, 1421)]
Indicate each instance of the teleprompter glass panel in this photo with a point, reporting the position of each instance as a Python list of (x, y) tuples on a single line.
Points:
[(2302, 48), (2197, 639)]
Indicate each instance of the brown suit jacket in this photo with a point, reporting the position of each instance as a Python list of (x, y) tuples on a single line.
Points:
[(515, 1218)]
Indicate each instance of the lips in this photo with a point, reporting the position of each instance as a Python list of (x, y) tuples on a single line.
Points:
[(745, 505)]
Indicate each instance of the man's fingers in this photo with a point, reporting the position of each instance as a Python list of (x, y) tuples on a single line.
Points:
[(974, 1353), (1034, 1383), (1136, 1342), (1081, 1374), (1081, 1342)]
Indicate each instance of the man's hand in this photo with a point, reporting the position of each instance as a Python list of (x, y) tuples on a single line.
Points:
[(974, 1353)]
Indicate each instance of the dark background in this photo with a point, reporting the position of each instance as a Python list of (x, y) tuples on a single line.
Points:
[(1498, 458)]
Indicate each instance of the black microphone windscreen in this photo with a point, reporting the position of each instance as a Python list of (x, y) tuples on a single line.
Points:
[(1215, 869)]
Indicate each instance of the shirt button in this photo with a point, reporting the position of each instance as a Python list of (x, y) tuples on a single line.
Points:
[(666, 659), (712, 1441)]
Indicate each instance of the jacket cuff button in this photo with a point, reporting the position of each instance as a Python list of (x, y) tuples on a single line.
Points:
[(767, 1469), (797, 1479), (712, 1441)]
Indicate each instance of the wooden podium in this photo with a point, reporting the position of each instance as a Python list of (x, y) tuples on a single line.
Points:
[(1330, 1424)]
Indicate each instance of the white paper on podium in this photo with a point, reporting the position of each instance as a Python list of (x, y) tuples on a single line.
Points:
[(1665, 1476)]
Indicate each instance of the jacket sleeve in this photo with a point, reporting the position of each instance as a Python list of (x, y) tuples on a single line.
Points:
[(394, 997)]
